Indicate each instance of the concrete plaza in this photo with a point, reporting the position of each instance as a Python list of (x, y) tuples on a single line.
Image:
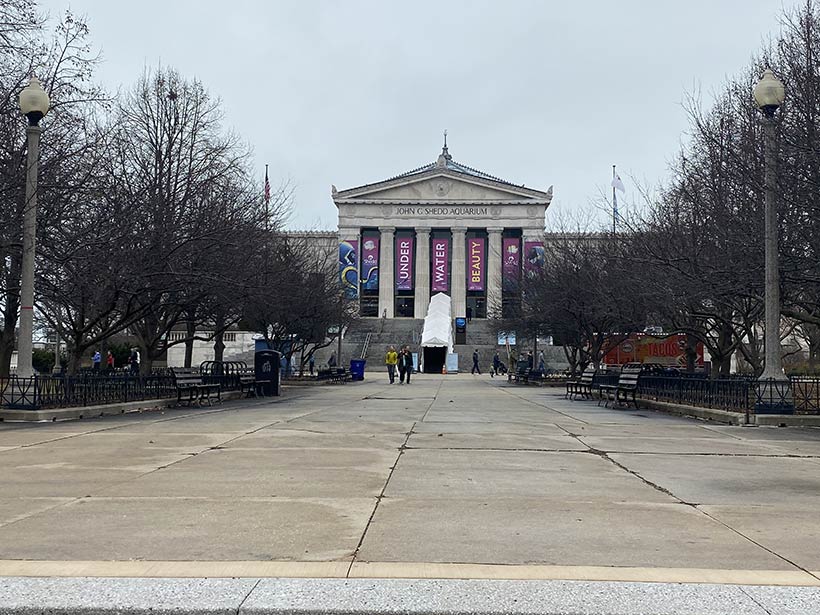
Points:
[(452, 476)]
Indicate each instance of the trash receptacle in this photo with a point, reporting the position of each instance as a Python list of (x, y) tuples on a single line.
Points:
[(357, 369), (266, 369)]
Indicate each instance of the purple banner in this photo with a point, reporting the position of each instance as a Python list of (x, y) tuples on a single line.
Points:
[(475, 263), (349, 267), (370, 263), (510, 263), (441, 265), (534, 255), (404, 263)]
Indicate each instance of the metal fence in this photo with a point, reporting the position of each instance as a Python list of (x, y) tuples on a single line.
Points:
[(89, 389), (736, 394)]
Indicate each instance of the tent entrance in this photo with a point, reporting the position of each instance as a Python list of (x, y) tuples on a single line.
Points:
[(434, 358)]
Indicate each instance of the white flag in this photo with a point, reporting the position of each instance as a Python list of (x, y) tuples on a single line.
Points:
[(618, 184)]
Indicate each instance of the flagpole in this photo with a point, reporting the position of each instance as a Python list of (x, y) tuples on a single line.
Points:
[(267, 200), (614, 201)]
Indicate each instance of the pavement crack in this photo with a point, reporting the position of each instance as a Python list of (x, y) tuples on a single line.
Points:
[(380, 497), (248, 595)]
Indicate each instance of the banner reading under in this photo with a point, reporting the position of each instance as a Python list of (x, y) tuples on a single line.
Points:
[(404, 263)]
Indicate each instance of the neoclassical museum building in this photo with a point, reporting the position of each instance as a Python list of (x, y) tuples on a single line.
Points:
[(443, 227)]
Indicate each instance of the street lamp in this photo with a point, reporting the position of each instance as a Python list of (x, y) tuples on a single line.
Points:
[(34, 105), (774, 393)]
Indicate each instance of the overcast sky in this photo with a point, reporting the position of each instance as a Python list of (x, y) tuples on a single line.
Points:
[(352, 92)]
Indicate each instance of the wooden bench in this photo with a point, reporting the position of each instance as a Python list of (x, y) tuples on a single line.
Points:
[(626, 388), (189, 383), (247, 381), (583, 385)]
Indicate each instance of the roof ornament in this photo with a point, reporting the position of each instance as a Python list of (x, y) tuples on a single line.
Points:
[(445, 156), (333, 190)]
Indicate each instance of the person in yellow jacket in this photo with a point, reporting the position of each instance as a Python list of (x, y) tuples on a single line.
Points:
[(390, 359)]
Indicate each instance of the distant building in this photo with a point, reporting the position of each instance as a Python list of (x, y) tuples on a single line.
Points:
[(443, 227)]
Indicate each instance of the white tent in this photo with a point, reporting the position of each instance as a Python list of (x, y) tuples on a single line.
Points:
[(438, 325)]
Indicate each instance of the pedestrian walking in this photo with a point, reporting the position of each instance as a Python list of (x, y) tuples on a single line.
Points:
[(109, 362), (529, 360), (311, 364), (476, 368), (134, 361), (406, 363), (96, 361), (331, 362), (391, 359), (541, 362), (400, 365), (496, 365)]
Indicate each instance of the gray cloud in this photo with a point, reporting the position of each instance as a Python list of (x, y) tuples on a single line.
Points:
[(348, 93)]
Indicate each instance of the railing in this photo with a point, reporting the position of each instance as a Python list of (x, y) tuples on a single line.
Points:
[(88, 389), (801, 395), (366, 345)]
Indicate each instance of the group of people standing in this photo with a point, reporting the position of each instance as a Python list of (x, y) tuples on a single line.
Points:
[(401, 360)]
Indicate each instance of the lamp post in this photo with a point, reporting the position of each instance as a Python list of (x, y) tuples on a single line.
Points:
[(34, 105), (774, 393)]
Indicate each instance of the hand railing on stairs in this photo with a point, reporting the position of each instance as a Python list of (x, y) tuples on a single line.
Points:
[(366, 345)]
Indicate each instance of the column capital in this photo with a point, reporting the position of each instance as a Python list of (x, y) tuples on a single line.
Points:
[(421, 230), (387, 229), (458, 229), (495, 229)]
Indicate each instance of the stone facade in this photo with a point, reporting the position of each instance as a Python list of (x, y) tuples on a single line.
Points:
[(443, 227)]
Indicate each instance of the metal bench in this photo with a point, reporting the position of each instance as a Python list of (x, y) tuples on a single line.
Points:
[(334, 374), (583, 385), (189, 384), (247, 381), (626, 388)]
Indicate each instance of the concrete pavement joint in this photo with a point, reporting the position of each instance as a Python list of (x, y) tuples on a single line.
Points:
[(248, 595), (539, 405), (402, 448), (755, 600), (696, 506), (754, 542)]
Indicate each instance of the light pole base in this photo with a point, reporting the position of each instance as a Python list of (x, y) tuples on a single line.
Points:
[(774, 396)]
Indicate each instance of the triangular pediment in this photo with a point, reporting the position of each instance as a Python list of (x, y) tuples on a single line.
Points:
[(442, 186)]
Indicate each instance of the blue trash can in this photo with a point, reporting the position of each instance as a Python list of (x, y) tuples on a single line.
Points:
[(357, 369)]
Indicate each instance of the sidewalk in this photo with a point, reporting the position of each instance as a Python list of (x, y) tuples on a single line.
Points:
[(454, 476)]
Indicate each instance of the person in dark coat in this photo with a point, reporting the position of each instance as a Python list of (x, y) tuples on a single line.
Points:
[(476, 368), (405, 364), (496, 364)]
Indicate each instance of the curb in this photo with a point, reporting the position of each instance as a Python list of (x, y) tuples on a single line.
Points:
[(94, 596), (87, 412)]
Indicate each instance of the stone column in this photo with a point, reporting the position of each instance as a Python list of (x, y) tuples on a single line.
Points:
[(458, 279), (386, 283), (422, 272), (494, 272)]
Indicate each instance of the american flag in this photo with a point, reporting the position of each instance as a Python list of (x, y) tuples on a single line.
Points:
[(267, 187)]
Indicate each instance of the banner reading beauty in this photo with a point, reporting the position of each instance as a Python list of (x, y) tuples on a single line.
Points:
[(511, 263), (349, 267), (441, 271), (534, 255), (370, 263), (404, 263), (475, 263)]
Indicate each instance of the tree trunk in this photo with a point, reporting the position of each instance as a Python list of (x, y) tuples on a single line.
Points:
[(190, 331), (691, 352), (10, 316)]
